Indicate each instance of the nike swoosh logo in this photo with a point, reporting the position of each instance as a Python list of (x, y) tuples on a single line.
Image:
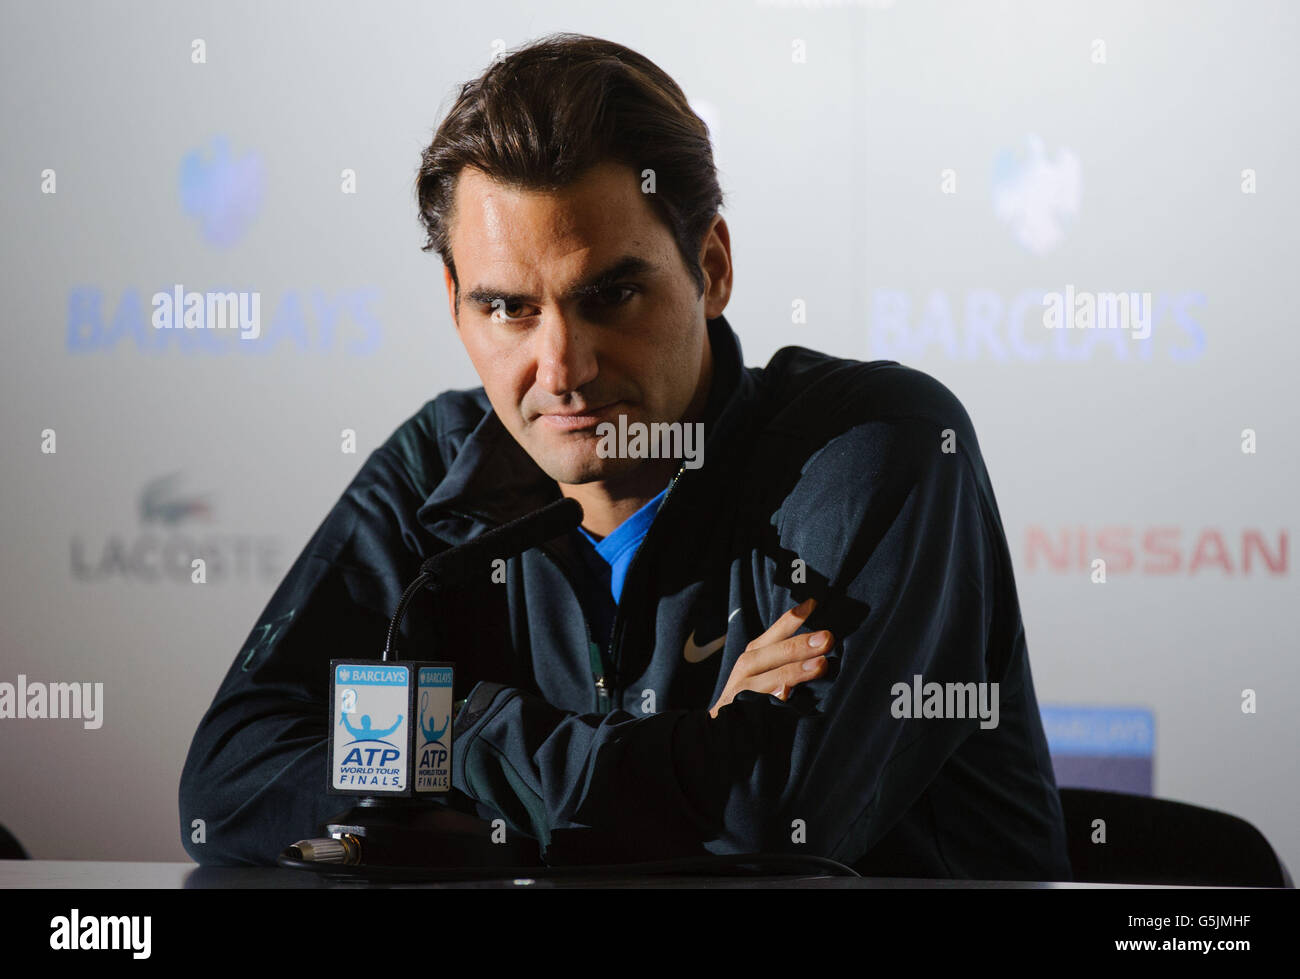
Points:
[(697, 654)]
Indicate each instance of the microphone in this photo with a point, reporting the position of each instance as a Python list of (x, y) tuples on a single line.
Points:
[(475, 556), (390, 731)]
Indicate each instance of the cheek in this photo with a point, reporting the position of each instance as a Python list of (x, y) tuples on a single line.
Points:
[(498, 373)]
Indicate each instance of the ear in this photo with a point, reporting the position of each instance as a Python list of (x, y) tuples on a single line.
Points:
[(715, 260)]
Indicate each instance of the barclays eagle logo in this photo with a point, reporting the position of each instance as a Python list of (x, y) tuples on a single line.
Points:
[(1037, 196), (221, 191)]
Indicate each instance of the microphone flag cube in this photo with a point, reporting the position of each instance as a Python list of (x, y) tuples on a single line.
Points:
[(433, 731), (390, 727)]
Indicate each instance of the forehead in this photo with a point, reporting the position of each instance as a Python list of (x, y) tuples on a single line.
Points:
[(602, 213)]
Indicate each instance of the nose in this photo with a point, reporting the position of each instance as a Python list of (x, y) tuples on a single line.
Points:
[(566, 354)]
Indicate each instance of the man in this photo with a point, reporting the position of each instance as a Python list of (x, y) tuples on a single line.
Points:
[(730, 655)]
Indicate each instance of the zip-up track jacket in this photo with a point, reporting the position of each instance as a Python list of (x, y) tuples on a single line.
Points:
[(859, 484)]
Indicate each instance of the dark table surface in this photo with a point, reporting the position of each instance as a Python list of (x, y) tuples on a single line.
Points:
[(130, 875)]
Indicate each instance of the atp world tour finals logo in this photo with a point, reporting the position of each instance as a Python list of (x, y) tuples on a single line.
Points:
[(433, 752), (367, 700)]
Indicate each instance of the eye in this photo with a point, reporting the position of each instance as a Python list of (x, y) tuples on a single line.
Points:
[(612, 293), (497, 311)]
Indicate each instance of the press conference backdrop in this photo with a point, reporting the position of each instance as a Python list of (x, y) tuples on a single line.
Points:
[(904, 180)]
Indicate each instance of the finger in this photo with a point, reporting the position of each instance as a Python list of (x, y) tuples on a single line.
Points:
[(787, 625), (781, 681), (778, 682), (793, 650)]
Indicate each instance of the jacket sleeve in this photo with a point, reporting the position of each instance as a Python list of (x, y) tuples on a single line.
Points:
[(257, 768), (894, 536)]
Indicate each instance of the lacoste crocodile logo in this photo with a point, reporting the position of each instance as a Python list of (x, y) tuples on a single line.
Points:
[(697, 654)]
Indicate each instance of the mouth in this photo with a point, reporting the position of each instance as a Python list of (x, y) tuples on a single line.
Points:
[(570, 423)]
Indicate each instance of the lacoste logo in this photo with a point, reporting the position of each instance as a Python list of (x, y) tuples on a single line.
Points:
[(697, 654), (160, 502)]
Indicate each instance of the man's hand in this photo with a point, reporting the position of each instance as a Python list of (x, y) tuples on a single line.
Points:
[(778, 660)]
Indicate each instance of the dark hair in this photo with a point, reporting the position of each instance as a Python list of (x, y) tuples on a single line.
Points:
[(540, 117)]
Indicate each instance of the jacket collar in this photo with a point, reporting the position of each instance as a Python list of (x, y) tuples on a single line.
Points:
[(493, 480)]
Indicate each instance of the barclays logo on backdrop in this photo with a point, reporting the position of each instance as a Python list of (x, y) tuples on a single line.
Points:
[(1111, 748), (985, 324), (308, 321), (1038, 195), (174, 533), (222, 193)]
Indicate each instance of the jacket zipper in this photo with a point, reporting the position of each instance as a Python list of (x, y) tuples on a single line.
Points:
[(616, 632), (600, 678)]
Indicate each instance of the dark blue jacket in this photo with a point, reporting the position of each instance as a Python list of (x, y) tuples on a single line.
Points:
[(822, 477)]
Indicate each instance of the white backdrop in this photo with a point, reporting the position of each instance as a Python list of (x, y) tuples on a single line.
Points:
[(917, 174)]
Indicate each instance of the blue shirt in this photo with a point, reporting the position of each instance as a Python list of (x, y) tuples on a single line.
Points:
[(620, 546), (607, 561)]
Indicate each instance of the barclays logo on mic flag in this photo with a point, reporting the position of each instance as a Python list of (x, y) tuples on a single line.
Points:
[(389, 676)]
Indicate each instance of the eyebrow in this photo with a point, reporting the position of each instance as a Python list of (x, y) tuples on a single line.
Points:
[(626, 267)]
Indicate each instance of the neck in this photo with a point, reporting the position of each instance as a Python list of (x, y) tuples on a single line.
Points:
[(607, 503)]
